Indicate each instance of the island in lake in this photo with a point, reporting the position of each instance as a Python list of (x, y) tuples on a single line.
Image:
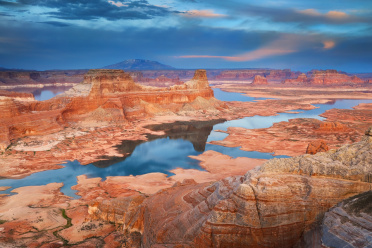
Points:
[(244, 158)]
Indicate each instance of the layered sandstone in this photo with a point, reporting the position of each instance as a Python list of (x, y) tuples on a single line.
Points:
[(105, 97), (317, 146), (249, 74), (19, 78), (17, 95), (270, 206), (349, 224), (324, 78), (259, 80)]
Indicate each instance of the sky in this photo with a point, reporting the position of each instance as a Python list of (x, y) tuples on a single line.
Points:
[(82, 34)]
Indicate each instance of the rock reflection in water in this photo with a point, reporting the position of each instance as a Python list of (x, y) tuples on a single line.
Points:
[(196, 132)]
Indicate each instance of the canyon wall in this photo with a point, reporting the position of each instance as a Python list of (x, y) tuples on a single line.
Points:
[(249, 74), (104, 97), (40, 77), (324, 78), (271, 206)]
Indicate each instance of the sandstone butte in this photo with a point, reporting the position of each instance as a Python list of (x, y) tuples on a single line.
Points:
[(272, 75), (259, 80), (324, 78), (282, 203), (104, 97)]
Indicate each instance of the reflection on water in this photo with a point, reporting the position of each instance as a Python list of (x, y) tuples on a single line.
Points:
[(171, 150), (45, 93)]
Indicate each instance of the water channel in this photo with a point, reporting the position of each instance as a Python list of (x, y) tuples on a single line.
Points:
[(172, 150)]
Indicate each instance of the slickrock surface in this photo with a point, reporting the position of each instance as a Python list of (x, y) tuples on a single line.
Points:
[(270, 206), (349, 224)]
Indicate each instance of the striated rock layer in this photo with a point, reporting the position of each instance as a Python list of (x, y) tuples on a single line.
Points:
[(324, 78), (349, 224), (259, 80), (270, 206), (104, 97)]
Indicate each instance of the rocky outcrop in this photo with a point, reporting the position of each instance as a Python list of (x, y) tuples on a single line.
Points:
[(332, 126), (105, 97), (259, 80), (270, 206), (245, 74), (349, 224), (317, 146), (20, 78), (17, 95), (301, 79), (324, 78)]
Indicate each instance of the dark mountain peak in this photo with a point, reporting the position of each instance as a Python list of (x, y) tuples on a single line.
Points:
[(139, 64)]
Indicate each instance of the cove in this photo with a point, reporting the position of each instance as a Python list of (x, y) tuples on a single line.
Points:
[(171, 150)]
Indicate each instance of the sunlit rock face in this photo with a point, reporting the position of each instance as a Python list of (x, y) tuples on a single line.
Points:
[(270, 206), (324, 78), (105, 97), (259, 80), (270, 74)]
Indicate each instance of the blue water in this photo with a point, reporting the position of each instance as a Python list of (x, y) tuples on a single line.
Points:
[(234, 96), (171, 151), (46, 95)]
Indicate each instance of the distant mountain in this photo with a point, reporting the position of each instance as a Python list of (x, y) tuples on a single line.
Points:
[(139, 64)]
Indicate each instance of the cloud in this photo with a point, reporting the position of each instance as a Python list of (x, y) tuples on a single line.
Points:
[(95, 9), (282, 46), (333, 14), (337, 14), (201, 14), (118, 4), (329, 44), (57, 24)]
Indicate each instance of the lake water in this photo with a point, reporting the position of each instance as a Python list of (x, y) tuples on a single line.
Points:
[(45, 93), (172, 150)]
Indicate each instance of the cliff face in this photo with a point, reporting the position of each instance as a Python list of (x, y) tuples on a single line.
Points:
[(324, 78), (259, 80), (271, 206), (349, 223), (41, 77), (272, 75), (104, 97)]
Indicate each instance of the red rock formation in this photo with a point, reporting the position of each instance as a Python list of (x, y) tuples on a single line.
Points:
[(271, 206), (301, 79), (259, 80), (271, 75), (317, 146), (332, 126), (41, 77), (325, 78), (104, 97), (160, 81), (18, 95)]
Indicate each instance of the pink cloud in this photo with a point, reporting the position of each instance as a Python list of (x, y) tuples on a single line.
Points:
[(333, 14), (118, 4), (337, 14), (202, 14), (284, 45), (329, 44)]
